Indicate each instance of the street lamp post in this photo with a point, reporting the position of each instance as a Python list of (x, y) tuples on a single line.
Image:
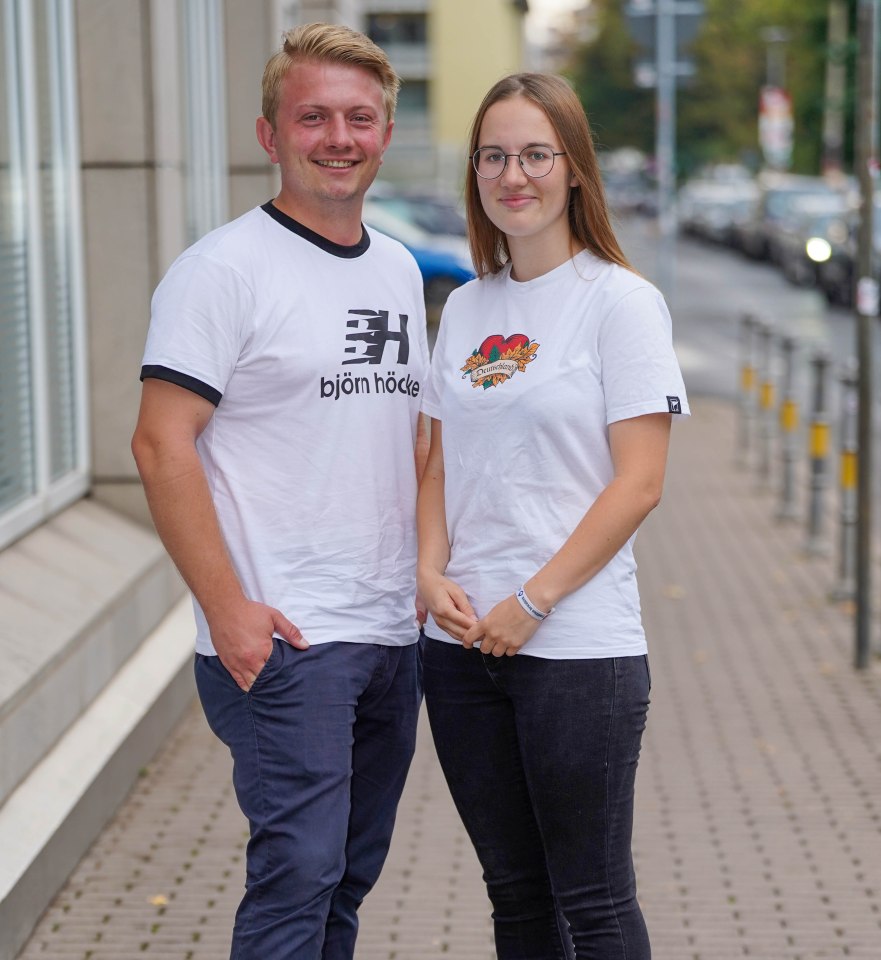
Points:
[(665, 140), (867, 311), (657, 26), (775, 108), (836, 79), (775, 53)]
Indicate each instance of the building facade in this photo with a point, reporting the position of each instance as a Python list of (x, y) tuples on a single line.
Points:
[(126, 132), (448, 53)]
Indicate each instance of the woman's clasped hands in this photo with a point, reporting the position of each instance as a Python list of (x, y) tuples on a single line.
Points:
[(502, 632)]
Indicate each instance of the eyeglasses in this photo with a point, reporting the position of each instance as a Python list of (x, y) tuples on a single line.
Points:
[(490, 162)]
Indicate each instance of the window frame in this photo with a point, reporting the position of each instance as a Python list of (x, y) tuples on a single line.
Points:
[(203, 47), (48, 497)]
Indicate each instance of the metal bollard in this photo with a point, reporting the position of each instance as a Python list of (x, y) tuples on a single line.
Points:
[(845, 587), (819, 455), (766, 406), (788, 509), (748, 324)]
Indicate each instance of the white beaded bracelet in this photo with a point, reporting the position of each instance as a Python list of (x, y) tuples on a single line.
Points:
[(530, 607)]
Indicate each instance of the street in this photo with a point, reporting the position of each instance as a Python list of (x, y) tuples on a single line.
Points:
[(714, 287)]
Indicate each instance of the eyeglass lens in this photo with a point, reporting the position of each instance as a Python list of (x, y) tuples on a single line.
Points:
[(490, 162)]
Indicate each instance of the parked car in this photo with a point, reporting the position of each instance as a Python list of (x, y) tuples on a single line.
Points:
[(444, 260), (836, 273), (806, 239), (712, 209), (758, 236), (434, 213), (627, 183)]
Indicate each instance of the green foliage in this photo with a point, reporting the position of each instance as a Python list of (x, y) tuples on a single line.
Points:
[(620, 113), (717, 112)]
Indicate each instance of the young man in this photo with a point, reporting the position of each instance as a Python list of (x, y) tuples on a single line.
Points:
[(282, 381)]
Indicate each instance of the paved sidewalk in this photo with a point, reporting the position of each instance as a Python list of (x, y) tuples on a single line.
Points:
[(759, 793)]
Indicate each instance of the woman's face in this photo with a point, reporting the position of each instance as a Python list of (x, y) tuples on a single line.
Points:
[(519, 205)]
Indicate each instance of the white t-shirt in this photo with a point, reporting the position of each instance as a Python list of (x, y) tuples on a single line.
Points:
[(526, 377), (315, 356)]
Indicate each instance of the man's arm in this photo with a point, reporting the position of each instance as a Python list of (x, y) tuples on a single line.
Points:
[(446, 600), (420, 452), (171, 418)]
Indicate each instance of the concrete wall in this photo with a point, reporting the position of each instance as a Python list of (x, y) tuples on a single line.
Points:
[(134, 187), (252, 37), (119, 216)]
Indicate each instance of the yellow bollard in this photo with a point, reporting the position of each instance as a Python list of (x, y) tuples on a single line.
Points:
[(767, 400), (747, 400), (848, 495), (788, 509), (819, 456)]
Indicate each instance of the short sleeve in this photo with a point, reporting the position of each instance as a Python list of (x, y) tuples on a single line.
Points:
[(640, 372), (201, 318)]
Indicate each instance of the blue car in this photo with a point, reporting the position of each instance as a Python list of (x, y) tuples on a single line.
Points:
[(443, 260)]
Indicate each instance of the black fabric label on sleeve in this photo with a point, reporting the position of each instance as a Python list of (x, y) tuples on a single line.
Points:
[(673, 405)]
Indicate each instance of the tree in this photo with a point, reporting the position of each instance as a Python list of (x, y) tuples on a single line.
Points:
[(718, 113), (621, 114), (717, 116)]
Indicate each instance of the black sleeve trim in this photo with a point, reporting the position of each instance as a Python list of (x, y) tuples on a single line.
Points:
[(150, 371)]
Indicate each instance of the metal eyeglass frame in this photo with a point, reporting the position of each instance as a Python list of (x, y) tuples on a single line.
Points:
[(519, 156)]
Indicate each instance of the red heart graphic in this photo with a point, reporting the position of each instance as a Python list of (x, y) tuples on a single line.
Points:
[(502, 344)]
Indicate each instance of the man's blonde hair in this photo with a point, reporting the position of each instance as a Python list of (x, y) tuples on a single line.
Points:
[(328, 43)]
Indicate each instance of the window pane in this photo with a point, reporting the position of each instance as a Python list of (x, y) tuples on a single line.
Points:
[(16, 427), (54, 163), (41, 423), (391, 28), (413, 97)]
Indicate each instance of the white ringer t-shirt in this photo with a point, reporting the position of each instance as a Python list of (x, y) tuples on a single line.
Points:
[(315, 356)]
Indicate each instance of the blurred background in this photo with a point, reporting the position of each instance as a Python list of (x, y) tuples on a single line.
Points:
[(127, 132)]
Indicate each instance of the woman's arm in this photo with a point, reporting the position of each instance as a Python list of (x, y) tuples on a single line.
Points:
[(446, 600), (639, 457)]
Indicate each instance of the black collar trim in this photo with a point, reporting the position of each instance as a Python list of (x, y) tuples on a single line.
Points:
[(335, 249)]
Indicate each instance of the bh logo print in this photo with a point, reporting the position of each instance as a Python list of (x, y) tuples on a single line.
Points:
[(377, 335)]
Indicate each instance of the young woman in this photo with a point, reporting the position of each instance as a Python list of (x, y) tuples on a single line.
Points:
[(551, 393)]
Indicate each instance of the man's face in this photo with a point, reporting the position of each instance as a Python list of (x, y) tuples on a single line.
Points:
[(329, 137)]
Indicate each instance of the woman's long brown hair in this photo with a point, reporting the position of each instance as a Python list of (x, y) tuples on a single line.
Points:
[(588, 214)]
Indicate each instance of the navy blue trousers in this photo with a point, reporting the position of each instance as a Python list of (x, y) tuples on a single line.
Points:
[(321, 745), (540, 757)]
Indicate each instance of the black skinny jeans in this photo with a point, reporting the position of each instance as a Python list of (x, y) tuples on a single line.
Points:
[(540, 757)]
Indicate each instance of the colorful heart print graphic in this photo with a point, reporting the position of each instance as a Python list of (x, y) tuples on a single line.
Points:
[(502, 344), (498, 358)]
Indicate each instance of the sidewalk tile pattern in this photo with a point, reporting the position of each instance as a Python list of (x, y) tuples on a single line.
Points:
[(759, 793)]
